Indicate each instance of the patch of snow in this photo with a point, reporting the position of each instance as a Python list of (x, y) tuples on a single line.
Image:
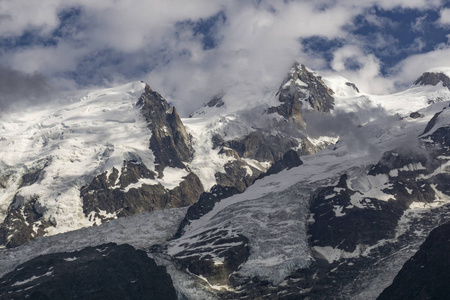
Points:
[(393, 173), (216, 287), (172, 178), (33, 278), (339, 86), (370, 187), (337, 209), (413, 167), (333, 254), (70, 259)]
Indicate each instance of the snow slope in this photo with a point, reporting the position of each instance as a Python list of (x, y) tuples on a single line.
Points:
[(72, 144)]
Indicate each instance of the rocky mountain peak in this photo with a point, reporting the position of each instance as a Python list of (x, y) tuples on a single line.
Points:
[(433, 77), (303, 88), (170, 142)]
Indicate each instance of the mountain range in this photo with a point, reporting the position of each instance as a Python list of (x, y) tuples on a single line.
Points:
[(315, 190)]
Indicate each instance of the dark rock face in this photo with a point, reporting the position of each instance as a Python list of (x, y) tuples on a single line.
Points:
[(170, 142), (290, 160), (261, 146), (108, 194), (431, 123), (426, 275), (353, 86), (415, 115), (24, 220), (22, 224), (293, 94), (429, 78), (216, 101), (31, 177), (344, 218), (236, 175), (104, 272)]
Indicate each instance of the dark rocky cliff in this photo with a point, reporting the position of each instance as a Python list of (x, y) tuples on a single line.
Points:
[(104, 272)]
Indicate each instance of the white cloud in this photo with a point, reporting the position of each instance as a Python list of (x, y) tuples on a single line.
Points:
[(412, 67), (445, 16), (257, 43), (18, 16), (367, 75), (257, 48)]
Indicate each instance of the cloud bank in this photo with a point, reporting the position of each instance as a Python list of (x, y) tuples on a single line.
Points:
[(189, 51)]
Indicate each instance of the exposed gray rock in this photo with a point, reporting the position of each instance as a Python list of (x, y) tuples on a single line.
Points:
[(431, 123), (236, 175), (415, 115), (353, 86), (23, 223), (432, 78), (290, 160), (108, 194), (302, 86), (170, 142), (216, 101), (262, 146)]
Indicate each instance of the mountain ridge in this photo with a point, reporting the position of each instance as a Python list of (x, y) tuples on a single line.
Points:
[(276, 206)]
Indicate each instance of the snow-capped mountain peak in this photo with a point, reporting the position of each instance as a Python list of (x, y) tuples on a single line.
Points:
[(308, 188)]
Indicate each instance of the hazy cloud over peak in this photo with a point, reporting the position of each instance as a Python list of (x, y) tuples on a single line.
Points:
[(189, 51), (17, 88)]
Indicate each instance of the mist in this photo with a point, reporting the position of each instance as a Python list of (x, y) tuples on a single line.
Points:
[(18, 89)]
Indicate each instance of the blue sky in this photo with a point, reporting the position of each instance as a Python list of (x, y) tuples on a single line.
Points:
[(190, 50)]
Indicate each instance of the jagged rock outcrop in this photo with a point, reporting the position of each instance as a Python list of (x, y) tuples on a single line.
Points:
[(426, 274), (23, 223), (216, 101), (260, 145), (110, 196), (169, 141), (238, 174), (108, 271), (433, 78), (24, 219), (290, 160), (302, 87)]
